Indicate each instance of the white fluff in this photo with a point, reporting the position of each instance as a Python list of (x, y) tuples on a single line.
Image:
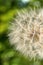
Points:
[(26, 33)]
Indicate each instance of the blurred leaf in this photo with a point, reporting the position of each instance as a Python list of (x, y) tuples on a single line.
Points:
[(6, 17), (2, 47), (3, 27), (8, 54), (36, 63), (5, 63), (15, 61)]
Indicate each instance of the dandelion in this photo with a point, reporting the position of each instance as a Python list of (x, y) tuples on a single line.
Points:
[(26, 33)]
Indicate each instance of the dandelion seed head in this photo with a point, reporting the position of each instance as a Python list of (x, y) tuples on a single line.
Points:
[(26, 33)]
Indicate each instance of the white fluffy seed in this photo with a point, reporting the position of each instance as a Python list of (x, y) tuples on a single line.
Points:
[(27, 33)]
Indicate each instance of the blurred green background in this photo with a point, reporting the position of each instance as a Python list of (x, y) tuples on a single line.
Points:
[(8, 10)]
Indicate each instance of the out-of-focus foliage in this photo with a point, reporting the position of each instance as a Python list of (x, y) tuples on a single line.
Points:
[(8, 10)]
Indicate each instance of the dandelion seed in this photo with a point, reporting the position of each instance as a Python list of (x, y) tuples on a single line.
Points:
[(26, 33)]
